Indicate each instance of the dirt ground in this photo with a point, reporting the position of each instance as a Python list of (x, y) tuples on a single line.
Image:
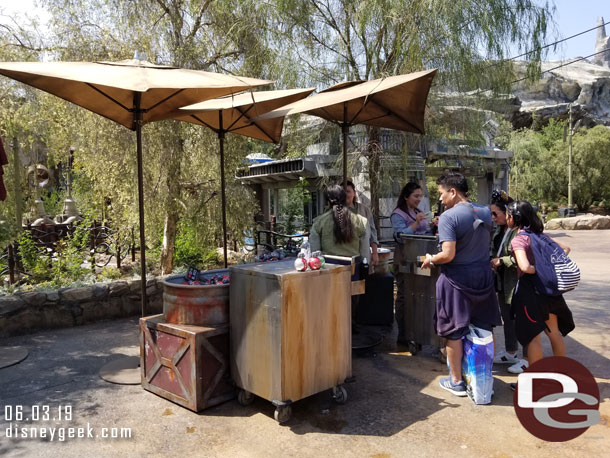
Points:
[(395, 408)]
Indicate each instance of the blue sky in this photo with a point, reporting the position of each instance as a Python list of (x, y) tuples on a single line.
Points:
[(572, 17)]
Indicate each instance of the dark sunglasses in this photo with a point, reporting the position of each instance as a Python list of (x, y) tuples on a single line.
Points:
[(494, 214)]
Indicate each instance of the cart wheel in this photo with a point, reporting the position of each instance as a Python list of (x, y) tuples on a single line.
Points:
[(442, 355), (413, 348), (340, 395), (282, 414), (245, 398)]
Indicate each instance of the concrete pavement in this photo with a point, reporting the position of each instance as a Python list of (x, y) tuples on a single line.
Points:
[(395, 407)]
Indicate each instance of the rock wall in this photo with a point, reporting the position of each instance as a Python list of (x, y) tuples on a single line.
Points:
[(583, 84), (579, 222), (26, 312)]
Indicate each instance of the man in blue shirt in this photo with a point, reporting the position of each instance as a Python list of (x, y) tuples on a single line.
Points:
[(465, 291)]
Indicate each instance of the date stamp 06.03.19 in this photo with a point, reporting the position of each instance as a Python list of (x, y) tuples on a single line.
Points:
[(53, 423)]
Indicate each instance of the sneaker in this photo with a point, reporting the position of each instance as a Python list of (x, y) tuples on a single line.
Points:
[(506, 358), (513, 386), (458, 389), (518, 367)]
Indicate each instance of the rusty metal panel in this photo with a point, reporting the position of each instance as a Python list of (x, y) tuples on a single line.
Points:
[(199, 305), (188, 365)]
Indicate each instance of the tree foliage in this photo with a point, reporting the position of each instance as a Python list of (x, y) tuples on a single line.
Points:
[(540, 166), (295, 42)]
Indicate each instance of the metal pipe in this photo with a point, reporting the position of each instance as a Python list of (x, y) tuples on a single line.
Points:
[(221, 139), (17, 174), (570, 165), (11, 264), (137, 115)]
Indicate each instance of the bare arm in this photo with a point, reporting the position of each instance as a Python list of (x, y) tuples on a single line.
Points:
[(524, 263), (444, 257)]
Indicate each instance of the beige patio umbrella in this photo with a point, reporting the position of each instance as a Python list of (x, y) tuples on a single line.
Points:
[(131, 93), (234, 114), (396, 102)]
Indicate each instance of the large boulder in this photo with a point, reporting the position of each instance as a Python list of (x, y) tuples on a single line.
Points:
[(579, 222)]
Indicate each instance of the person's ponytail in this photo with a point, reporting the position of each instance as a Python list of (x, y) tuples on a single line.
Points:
[(343, 228)]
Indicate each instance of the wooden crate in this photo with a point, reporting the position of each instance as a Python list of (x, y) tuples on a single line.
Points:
[(290, 331), (188, 365)]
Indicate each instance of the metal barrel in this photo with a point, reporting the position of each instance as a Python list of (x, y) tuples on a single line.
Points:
[(199, 305), (383, 266)]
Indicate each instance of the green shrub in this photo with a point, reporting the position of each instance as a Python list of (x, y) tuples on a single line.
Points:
[(552, 215), (190, 252), (109, 273)]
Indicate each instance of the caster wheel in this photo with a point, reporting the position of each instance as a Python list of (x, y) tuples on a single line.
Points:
[(340, 395), (282, 414), (245, 398), (413, 348), (442, 355)]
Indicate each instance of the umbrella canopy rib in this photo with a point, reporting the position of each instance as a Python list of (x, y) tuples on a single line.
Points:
[(242, 114), (201, 121), (163, 101), (259, 127), (389, 113), (124, 107)]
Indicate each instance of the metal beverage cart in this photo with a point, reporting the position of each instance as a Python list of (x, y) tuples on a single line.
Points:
[(420, 290), (290, 332)]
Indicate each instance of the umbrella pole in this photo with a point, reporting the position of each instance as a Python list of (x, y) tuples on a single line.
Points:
[(223, 198), (345, 130), (138, 124)]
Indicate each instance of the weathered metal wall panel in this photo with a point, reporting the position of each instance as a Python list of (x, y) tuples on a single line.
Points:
[(420, 289), (290, 331)]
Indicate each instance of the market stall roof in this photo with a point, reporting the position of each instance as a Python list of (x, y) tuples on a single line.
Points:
[(283, 171)]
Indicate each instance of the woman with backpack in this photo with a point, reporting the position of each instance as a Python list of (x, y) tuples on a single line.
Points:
[(536, 310)]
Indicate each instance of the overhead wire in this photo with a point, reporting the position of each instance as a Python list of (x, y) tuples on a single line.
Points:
[(563, 65), (543, 47), (549, 45)]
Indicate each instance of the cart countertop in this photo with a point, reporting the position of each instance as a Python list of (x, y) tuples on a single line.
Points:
[(282, 268)]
